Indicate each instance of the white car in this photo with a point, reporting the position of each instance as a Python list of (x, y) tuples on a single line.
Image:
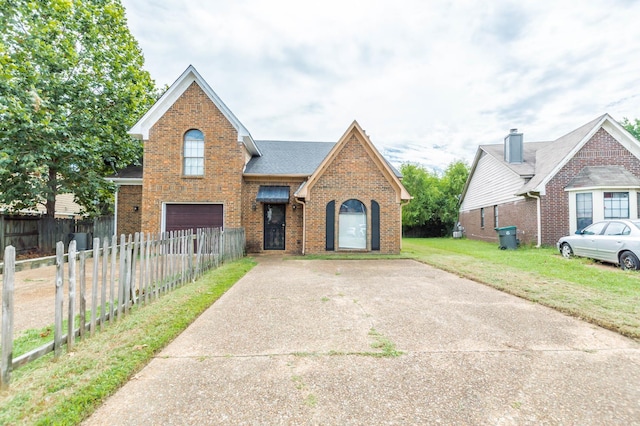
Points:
[(614, 241)]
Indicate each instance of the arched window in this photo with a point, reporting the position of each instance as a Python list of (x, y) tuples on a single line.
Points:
[(193, 153), (352, 225)]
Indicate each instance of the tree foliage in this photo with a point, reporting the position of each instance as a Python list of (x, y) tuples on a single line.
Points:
[(632, 127), (434, 208), (71, 84)]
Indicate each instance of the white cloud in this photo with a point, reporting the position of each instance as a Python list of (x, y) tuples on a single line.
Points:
[(429, 81)]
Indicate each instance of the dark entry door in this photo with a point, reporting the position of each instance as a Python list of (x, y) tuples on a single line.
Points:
[(274, 226)]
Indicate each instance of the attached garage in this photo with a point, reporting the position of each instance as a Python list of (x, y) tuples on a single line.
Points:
[(193, 216)]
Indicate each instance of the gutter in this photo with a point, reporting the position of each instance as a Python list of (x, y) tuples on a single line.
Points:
[(539, 217), (304, 224)]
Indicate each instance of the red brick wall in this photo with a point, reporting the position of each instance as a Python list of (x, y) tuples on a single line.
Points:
[(252, 220), (163, 159), (601, 150), (129, 218), (353, 174), (521, 214)]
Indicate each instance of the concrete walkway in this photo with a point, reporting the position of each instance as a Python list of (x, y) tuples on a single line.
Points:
[(295, 342)]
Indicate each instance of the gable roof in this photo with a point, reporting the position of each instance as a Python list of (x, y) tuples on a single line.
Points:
[(288, 158), (141, 129), (543, 160), (379, 161)]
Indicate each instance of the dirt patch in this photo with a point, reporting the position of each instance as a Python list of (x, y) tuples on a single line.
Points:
[(34, 297)]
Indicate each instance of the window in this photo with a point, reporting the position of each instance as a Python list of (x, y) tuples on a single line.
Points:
[(584, 210), (616, 205), (617, 228), (595, 229), (352, 225), (482, 217), (194, 153), (495, 216)]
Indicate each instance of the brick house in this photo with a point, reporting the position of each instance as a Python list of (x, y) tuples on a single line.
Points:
[(551, 189), (202, 168)]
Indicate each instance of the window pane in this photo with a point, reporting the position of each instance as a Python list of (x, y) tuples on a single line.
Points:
[(352, 225), (193, 153), (616, 205), (584, 210)]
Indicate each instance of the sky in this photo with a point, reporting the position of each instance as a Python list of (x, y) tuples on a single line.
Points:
[(428, 80)]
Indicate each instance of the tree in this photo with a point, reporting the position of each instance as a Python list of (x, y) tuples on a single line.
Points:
[(433, 211), (71, 84), (632, 127)]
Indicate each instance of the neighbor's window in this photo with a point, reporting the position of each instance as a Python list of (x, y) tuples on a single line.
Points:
[(352, 225), (194, 153), (616, 205), (482, 217), (584, 210), (495, 216)]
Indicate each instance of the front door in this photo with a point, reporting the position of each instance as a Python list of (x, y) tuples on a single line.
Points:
[(274, 226)]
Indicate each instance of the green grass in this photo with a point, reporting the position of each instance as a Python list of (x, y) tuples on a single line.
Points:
[(67, 390), (602, 294)]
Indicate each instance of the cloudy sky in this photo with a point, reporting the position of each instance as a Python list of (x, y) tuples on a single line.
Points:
[(429, 80)]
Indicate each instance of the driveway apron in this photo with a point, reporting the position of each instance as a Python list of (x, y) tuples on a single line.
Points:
[(380, 342)]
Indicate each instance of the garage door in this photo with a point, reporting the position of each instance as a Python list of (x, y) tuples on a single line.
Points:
[(193, 216)]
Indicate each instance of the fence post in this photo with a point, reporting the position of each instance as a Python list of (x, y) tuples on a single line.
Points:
[(72, 295), (57, 330), (7, 316), (94, 285)]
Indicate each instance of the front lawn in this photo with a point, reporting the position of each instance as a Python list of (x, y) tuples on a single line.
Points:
[(599, 293)]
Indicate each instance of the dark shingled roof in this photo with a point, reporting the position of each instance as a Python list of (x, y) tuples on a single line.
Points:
[(129, 172), (288, 158)]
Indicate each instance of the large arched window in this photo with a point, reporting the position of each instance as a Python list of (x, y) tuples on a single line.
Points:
[(193, 153), (352, 225)]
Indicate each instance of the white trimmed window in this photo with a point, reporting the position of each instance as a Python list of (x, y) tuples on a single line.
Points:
[(193, 153), (352, 222), (616, 205)]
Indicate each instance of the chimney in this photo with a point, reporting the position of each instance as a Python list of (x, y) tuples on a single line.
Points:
[(513, 149)]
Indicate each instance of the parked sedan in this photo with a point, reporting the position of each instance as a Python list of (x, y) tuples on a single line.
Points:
[(613, 241)]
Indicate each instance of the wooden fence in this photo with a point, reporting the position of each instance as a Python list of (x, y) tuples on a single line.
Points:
[(39, 233), (133, 272)]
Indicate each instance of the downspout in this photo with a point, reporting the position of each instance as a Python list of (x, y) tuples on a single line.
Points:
[(115, 212), (539, 217), (304, 223)]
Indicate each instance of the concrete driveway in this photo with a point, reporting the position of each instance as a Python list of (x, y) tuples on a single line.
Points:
[(297, 342)]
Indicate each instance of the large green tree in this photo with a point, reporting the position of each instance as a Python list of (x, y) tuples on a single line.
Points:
[(632, 127), (433, 211), (71, 84)]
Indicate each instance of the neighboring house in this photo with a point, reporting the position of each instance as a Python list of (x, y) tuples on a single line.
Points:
[(551, 189), (202, 168), (66, 208)]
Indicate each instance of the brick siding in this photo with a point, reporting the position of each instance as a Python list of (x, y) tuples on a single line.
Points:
[(163, 160), (252, 220), (521, 214), (601, 150), (129, 209), (353, 175)]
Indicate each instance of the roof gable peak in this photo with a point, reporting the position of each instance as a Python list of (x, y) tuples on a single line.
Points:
[(142, 127)]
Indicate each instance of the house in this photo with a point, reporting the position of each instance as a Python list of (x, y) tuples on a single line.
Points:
[(202, 168), (551, 189), (66, 208)]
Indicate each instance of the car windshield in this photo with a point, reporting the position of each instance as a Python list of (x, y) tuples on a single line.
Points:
[(636, 223)]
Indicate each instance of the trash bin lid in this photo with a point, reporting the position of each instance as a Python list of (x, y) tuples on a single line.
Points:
[(506, 228)]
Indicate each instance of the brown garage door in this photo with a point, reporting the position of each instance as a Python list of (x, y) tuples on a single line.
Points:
[(193, 216)]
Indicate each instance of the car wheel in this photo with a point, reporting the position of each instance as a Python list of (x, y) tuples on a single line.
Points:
[(566, 251), (629, 260)]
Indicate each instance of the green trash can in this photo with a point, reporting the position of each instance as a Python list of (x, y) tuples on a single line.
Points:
[(508, 238)]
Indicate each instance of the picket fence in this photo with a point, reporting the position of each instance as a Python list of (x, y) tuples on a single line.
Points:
[(134, 272)]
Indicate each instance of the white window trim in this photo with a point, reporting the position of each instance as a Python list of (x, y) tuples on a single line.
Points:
[(598, 203)]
